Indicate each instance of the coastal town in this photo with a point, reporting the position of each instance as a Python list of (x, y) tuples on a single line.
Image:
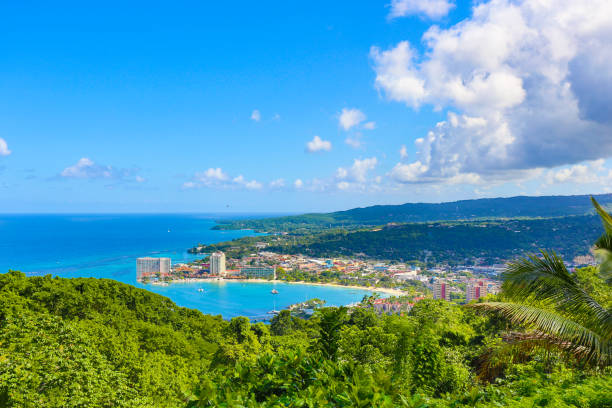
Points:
[(401, 284)]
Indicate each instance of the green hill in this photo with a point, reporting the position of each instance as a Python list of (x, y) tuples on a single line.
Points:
[(486, 208)]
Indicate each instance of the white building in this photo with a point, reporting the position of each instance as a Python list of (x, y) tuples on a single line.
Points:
[(152, 267), (217, 264)]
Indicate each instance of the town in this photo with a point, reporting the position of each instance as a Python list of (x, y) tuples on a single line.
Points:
[(404, 283)]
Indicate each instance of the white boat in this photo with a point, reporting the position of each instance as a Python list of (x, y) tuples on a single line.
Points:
[(274, 312), (200, 290), (274, 292)]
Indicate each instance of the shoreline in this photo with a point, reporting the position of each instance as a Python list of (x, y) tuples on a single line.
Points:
[(389, 291)]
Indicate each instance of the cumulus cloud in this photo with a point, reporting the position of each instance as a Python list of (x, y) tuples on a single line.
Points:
[(403, 152), (86, 168), (298, 183), (354, 141), (217, 178), (349, 118), (4, 150), (358, 171), (584, 173), (256, 115), (317, 145), (277, 184), (526, 85), (431, 8)]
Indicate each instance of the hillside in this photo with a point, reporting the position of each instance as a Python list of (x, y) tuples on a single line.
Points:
[(93, 343), (486, 208), (453, 242), (456, 242)]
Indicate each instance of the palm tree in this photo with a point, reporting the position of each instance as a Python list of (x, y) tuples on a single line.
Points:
[(546, 300)]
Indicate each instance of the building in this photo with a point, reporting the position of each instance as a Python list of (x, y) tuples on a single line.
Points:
[(217, 264), (384, 306), (475, 290), (148, 267), (441, 290), (264, 272)]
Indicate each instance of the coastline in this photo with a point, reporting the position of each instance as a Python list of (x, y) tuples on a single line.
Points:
[(389, 291)]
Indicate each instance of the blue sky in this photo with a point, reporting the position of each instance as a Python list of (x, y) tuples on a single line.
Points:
[(292, 107)]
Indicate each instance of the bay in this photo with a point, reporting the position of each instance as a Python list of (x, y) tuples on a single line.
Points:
[(106, 246)]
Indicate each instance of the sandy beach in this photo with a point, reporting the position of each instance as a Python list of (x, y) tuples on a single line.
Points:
[(389, 291)]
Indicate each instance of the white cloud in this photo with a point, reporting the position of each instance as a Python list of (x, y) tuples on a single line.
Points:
[(585, 173), (369, 125), (277, 184), (353, 141), (255, 115), (276, 117), (403, 152), (318, 145), (431, 8), (4, 150), (298, 183), (358, 171), (211, 176), (350, 118), (86, 168), (530, 82), (140, 179), (248, 184), (408, 173), (217, 178)]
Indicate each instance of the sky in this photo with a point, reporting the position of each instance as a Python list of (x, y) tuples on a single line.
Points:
[(291, 107)]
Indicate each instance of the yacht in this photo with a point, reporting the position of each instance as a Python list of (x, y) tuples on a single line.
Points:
[(274, 292), (200, 290)]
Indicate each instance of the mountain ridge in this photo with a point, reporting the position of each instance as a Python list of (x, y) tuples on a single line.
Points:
[(473, 209)]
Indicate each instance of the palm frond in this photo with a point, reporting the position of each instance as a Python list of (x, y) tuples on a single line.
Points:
[(606, 218), (546, 279), (568, 333)]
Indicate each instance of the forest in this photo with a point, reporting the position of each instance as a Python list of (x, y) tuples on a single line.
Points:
[(99, 343), (451, 242), (465, 210)]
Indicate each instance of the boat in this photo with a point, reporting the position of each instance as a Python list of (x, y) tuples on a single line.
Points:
[(274, 312), (200, 290), (274, 292)]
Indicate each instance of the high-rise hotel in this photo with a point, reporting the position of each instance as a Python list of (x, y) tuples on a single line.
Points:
[(148, 267), (217, 264)]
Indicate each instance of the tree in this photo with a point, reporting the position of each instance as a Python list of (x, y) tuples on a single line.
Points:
[(330, 323), (554, 308)]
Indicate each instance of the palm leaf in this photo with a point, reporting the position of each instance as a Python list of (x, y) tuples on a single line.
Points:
[(573, 336), (606, 218), (545, 279)]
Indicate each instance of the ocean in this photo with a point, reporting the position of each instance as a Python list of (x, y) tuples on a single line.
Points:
[(106, 246)]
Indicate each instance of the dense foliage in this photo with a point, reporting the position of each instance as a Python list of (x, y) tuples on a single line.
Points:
[(435, 242), (100, 343)]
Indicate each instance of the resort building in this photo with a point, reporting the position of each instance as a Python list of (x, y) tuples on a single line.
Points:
[(217, 264), (264, 272), (148, 267), (440, 290), (475, 290)]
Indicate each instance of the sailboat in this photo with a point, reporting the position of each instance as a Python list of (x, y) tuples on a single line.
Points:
[(274, 311)]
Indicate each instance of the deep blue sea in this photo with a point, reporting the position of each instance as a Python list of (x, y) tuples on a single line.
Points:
[(106, 246)]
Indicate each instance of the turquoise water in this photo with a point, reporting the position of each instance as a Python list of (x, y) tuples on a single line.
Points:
[(106, 246)]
